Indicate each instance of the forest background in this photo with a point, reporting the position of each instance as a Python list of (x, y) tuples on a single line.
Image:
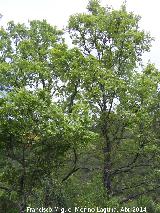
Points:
[(79, 124)]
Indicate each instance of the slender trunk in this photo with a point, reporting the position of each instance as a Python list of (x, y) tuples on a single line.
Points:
[(107, 165), (107, 153), (22, 184), (105, 119)]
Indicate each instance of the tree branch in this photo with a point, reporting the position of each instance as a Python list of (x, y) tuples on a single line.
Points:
[(74, 169), (6, 188), (72, 97), (126, 168), (120, 191), (131, 197)]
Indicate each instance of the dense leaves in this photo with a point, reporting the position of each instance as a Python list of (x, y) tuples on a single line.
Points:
[(79, 126)]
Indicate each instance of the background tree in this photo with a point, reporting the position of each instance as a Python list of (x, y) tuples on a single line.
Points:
[(78, 126), (112, 45), (35, 130)]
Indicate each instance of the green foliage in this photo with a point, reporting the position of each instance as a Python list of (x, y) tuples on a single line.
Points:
[(79, 126)]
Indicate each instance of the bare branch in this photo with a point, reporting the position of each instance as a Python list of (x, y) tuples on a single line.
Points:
[(74, 169), (131, 197), (127, 167), (120, 191)]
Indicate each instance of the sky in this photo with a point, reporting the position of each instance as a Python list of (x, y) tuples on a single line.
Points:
[(57, 12)]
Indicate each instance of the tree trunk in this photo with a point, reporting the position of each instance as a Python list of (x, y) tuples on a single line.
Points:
[(107, 152), (22, 184), (107, 166)]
